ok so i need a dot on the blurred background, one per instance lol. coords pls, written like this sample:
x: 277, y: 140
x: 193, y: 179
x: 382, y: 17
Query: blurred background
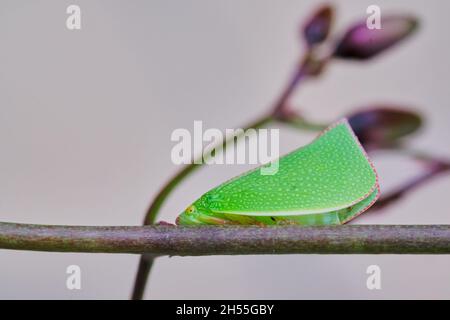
x: 86, y: 118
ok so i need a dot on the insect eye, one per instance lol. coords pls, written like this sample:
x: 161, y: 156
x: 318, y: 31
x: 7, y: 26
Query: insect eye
x: 190, y: 209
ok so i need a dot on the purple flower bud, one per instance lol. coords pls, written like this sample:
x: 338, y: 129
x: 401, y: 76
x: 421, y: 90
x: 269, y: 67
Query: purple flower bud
x: 360, y: 42
x: 381, y: 126
x: 317, y: 28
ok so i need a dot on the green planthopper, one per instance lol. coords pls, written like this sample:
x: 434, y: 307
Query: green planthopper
x: 327, y: 182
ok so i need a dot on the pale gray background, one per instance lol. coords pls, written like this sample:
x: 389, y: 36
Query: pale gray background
x: 86, y: 118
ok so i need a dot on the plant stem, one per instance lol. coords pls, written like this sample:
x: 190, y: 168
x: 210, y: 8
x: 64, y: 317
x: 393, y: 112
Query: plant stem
x: 235, y: 240
x: 298, y: 122
x: 144, y: 268
x: 279, y: 112
x: 434, y: 170
x: 297, y: 77
x: 145, y: 262
x: 154, y: 208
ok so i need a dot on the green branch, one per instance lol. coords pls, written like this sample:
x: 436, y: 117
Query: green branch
x: 238, y: 240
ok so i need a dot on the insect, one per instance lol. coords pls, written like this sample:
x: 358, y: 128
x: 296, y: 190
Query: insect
x: 327, y: 182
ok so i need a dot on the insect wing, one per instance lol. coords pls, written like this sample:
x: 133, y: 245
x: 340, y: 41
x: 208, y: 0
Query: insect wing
x: 331, y: 173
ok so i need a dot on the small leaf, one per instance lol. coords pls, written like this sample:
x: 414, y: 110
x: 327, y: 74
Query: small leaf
x: 382, y: 126
x: 361, y: 43
x: 316, y: 30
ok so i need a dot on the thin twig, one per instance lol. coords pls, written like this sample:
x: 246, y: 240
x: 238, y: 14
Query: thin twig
x: 236, y: 240
x: 144, y: 268
x: 154, y: 208
x: 435, y: 169
x: 146, y: 262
